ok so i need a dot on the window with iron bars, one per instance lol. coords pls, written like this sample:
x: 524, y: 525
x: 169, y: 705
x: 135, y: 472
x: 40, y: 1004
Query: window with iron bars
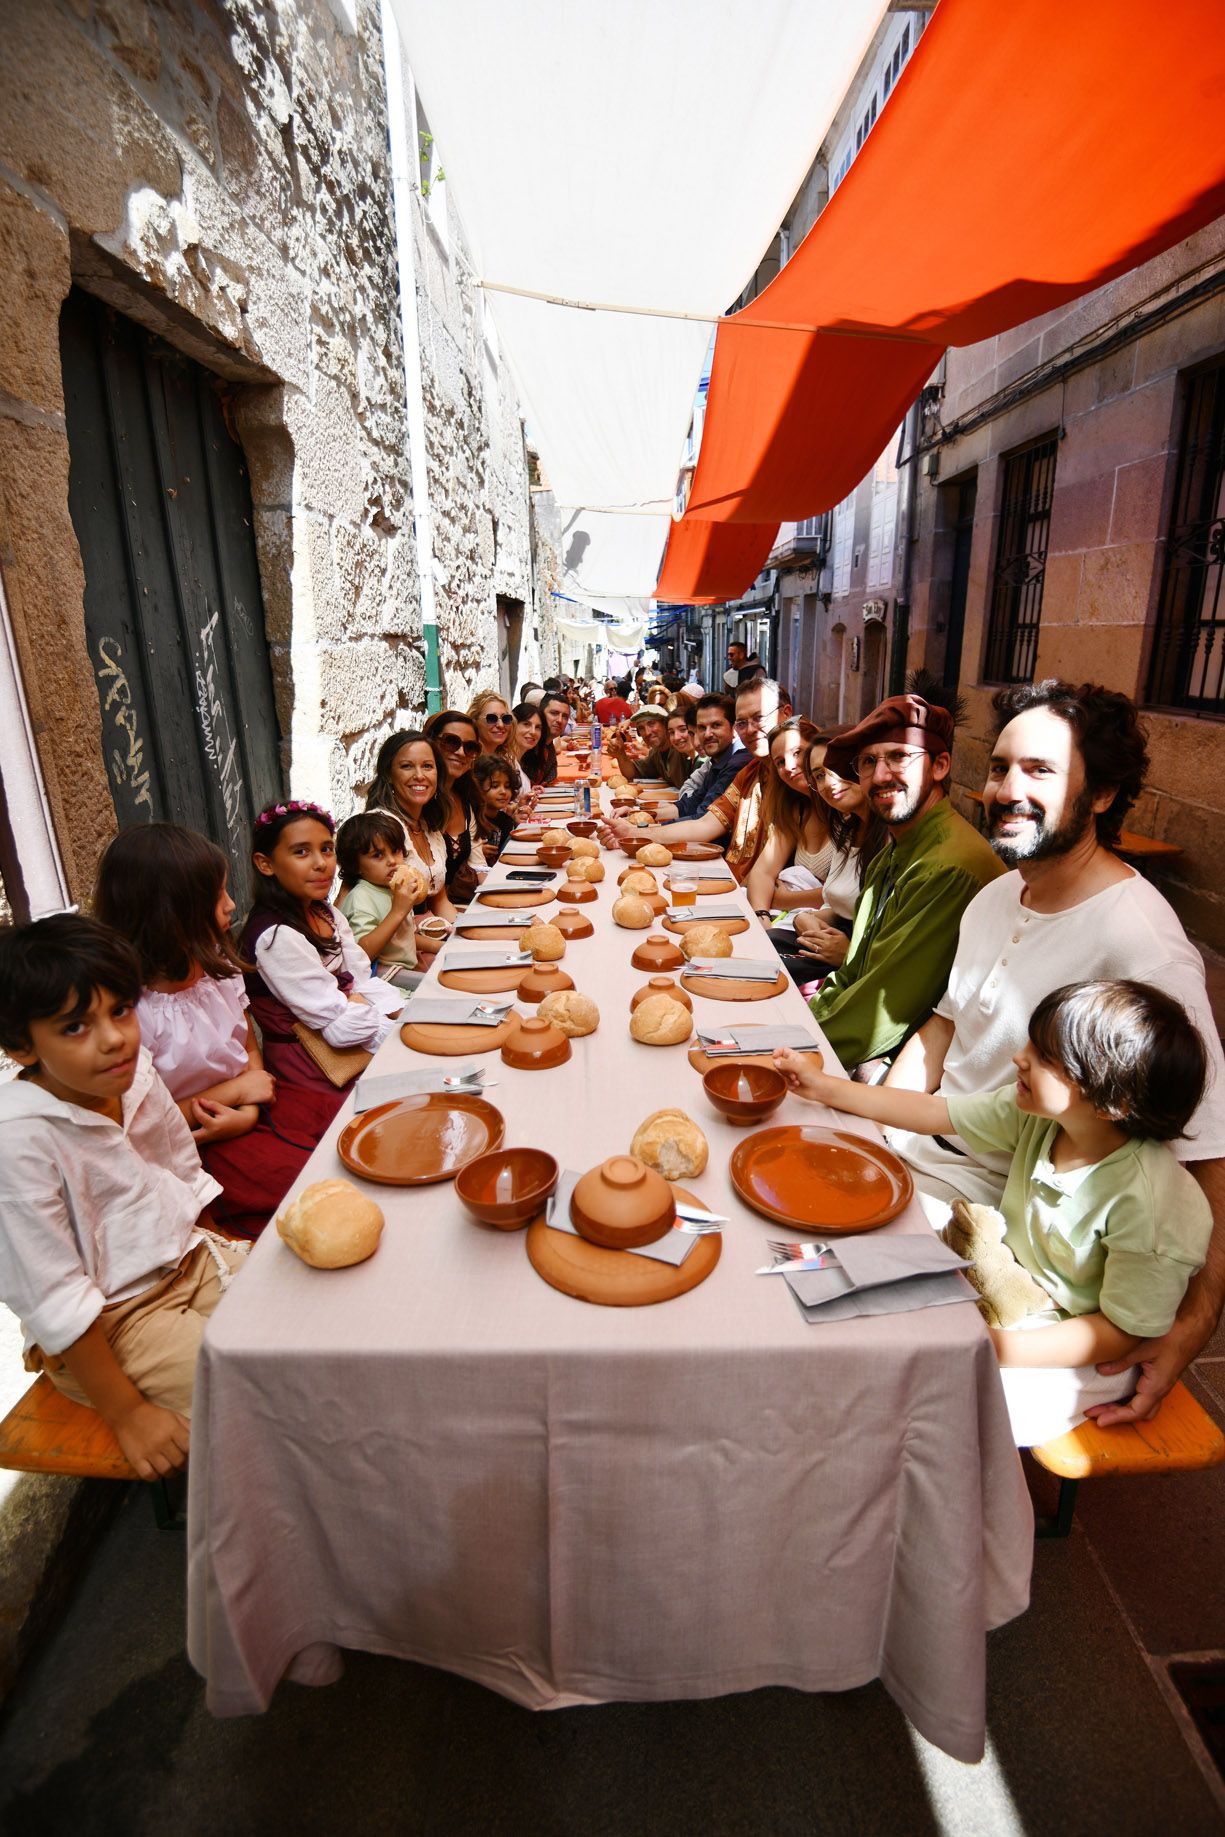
x: 1188, y: 660
x: 1020, y: 563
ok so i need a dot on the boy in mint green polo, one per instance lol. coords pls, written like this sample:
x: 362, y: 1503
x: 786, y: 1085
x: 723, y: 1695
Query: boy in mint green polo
x: 1096, y: 1209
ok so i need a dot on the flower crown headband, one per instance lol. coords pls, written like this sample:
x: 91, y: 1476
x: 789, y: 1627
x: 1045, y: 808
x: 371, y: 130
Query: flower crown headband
x: 292, y: 806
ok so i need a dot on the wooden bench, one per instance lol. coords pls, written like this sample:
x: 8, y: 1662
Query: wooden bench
x: 1181, y: 1438
x: 45, y: 1432
x: 1133, y: 846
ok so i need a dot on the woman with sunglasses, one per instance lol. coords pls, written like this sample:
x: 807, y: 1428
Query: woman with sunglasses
x: 455, y: 736
x: 495, y: 724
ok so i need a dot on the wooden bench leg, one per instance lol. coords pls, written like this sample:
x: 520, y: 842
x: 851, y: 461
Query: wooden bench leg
x: 1060, y: 1523
x: 166, y: 1513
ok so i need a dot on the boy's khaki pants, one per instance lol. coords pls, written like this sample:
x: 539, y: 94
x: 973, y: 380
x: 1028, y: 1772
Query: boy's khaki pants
x: 156, y: 1336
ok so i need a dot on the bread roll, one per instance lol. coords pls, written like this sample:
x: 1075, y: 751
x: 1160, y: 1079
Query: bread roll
x: 545, y: 942
x: 632, y: 912
x: 706, y: 941
x: 638, y: 819
x: 660, y: 1021
x: 638, y: 880
x: 571, y: 1013
x: 671, y: 1143
x: 585, y: 845
x: 654, y: 854
x: 412, y: 877
x: 618, y: 783
x: 331, y: 1224
x: 585, y: 869
x: 556, y: 838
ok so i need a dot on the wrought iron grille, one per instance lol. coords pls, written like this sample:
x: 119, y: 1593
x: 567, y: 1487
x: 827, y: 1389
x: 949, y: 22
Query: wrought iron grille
x: 1020, y: 564
x: 1188, y: 662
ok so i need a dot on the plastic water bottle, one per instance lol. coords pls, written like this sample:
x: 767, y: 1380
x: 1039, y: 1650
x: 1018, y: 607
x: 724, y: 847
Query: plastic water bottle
x: 597, y: 739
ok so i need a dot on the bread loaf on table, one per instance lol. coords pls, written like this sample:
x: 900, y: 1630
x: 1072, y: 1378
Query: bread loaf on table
x: 671, y: 1143
x: 545, y: 942
x: 654, y: 854
x: 660, y: 1021
x: 572, y: 1013
x: 705, y: 941
x: 632, y: 912
x: 331, y: 1224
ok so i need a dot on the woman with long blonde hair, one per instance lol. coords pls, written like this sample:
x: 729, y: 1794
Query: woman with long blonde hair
x: 495, y: 724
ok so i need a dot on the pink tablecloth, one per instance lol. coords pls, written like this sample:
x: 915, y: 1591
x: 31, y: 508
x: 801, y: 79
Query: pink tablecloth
x: 436, y: 1456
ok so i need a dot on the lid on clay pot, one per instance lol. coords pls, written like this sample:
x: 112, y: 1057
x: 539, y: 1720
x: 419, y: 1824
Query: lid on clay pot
x: 535, y: 1046
x: 622, y: 1204
x: 660, y: 985
x: 541, y: 980
x: 657, y: 953
x: 573, y: 924
x: 577, y: 892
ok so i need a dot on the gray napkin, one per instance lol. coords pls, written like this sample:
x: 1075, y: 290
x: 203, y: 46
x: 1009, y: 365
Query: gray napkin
x: 474, y: 920
x: 699, y: 915
x: 875, y: 1274
x: 735, y: 969
x: 470, y: 1011
x: 673, y: 1248
x: 386, y: 1089
x: 735, y: 1040
x: 510, y: 958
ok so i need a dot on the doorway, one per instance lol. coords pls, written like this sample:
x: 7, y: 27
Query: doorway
x: 174, y: 617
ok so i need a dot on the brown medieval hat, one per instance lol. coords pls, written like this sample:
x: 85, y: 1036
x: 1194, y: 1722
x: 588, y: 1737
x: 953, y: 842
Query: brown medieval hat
x: 902, y: 720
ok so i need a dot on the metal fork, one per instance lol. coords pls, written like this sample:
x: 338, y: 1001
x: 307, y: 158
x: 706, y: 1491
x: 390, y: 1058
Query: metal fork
x: 786, y: 1251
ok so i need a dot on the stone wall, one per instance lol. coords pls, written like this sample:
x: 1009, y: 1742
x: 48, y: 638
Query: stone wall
x: 1118, y: 419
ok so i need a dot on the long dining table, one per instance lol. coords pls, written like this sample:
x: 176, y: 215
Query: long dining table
x: 435, y: 1455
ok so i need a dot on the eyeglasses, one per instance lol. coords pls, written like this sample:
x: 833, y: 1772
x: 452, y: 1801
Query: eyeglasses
x: 497, y: 720
x: 893, y: 758
x: 744, y: 722
x: 451, y: 743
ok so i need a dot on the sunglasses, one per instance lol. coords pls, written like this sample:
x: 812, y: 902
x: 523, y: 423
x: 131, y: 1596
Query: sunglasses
x: 451, y: 743
x: 497, y: 720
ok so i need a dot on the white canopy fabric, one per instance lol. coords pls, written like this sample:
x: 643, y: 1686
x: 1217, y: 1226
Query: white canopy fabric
x: 611, y: 561
x: 637, y: 153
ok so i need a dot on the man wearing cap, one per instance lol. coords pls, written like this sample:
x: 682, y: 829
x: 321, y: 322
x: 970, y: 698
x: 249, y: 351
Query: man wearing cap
x: 916, y: 889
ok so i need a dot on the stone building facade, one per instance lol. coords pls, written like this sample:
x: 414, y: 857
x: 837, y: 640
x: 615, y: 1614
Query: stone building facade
x: 218, y: 172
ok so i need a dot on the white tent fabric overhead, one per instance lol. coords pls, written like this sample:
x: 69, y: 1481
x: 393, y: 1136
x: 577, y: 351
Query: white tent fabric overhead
x: 635, y: 153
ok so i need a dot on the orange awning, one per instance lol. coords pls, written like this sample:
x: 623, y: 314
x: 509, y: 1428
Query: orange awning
x: 1030, y: 152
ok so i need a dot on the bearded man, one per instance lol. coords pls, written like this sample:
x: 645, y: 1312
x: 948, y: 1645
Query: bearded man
x: 1066, y: 766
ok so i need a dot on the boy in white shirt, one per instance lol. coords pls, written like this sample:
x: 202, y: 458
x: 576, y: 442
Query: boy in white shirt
x: 105, y: 1253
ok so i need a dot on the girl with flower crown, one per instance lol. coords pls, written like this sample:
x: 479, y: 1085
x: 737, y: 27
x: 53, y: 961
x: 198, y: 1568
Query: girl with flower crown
x: 308, y: 968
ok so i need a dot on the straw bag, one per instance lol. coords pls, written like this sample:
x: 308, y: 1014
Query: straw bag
x: 340, y: 1065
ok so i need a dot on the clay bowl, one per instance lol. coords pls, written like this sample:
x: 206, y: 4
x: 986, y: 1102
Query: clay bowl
x: 582, y: 826
x: 622, y: 1204
x: 535, y: 1046
x: 745, y: 1093
x: 661, y: 985
x: 657, y: 953
x: 541, y: 980
x: 553, y: 857
x: 573, y: 924
x: 508, y: 1187
x: 577, y: 892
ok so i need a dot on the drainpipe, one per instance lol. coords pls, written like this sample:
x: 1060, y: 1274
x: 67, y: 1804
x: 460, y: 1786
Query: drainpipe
x: 911, y: 439
x: 401, y: 109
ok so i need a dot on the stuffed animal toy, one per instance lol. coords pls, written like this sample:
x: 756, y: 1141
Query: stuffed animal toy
x: 1008, y: 1291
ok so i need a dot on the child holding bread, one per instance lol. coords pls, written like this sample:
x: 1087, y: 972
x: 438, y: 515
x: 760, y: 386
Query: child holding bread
x: 107, y: 1256
x: 382, y: 888
x: 1098, y: 1214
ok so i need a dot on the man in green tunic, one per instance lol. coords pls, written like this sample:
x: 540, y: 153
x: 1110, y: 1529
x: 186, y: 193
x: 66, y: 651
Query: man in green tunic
x: 916, y: 889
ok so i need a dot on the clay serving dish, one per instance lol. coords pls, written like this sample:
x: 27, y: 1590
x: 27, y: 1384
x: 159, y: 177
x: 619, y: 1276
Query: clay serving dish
x: 694, y: 916
x: 696, y: 851
x: 420, y: 1139
x: 535, y: 1046
x: 554, y: 856
x: 541, y: 980
x: 527, y: 832
x: 514, y: 899
x: 661, y: 985
x: 582, y: 826
x: 657, y: 953
x: 799, y: 1175
x: 745, y: 1093
x: 573, y: 924
x: 508, y: 1188
x: 577, y: 892
x: 622, y: 1204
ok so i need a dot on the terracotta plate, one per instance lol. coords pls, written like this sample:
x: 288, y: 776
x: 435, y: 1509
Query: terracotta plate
x: 722, y: 988
x: 513, y: 898
x: 707, y: 887
x: 484, y: 982
x: 420, y: 1139
x: 513, y: 928
x: 702, y: 1061
x: 530, y: 832
x: 696, y: 851
x: 731, y: 926
x: 616, y: 1278
x: 823, y: 1178
x: 448, y: 1041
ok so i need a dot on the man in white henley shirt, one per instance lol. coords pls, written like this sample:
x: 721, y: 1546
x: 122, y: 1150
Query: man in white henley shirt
x: 1065, y: 769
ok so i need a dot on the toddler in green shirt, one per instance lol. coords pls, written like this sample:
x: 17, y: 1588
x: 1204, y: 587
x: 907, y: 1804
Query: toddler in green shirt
x: 381, y: 888
x: 1096, y: 1209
